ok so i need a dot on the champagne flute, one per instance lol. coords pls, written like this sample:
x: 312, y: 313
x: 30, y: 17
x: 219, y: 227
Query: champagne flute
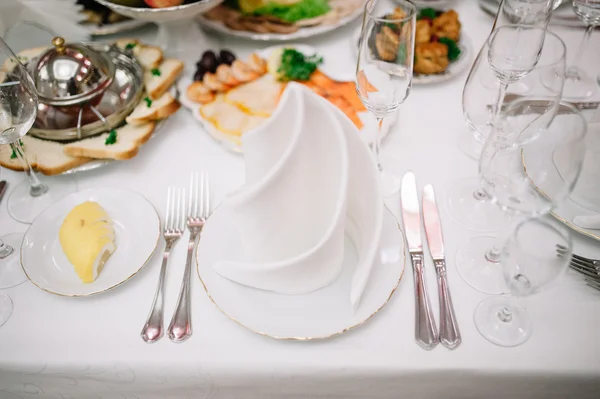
x: 384, y: 70
x: 579, y: 84
x: 18, y: 108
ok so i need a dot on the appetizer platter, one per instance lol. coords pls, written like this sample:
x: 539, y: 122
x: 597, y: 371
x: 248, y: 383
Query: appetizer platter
x: 441, y: 50
x: 102, y: 21
x: 230, y: 97
x: 77, y: 131
x: 281, y: 20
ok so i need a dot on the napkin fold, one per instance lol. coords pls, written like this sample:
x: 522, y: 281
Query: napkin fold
x: 299, y: 201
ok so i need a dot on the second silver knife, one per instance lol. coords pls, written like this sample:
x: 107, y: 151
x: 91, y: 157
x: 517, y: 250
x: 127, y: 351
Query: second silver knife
x: 425, y: 332
x: 449, y: 332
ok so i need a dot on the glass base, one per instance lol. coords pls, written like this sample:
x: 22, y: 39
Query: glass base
x: 6, y: 308
x: 11, y: 272
x: 578, y: 85
x: 492, y: 322
x: 24, y: 208
x: 472, y: 212
x: 477, y: 270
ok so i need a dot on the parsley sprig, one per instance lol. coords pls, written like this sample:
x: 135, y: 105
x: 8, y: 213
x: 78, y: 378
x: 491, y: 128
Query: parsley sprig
x: 148, y: 102
x: 155, y: 72
x: 297, y: 66
x: 112, y: 138
x: 14, y: 154
x: 453, y: 49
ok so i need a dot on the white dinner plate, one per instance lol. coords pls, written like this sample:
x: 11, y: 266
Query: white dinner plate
x: 301, y: 33
x: 455, y: 68
x: 137, y: 231
x: 321, y: 314
x: 233, y: 143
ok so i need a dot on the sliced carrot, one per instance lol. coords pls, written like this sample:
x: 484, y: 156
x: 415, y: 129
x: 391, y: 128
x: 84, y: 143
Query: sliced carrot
x: 322, y: 80
x: 348, y: 91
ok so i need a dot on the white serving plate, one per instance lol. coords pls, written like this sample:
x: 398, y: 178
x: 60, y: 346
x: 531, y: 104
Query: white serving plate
x: 321, y: 314
x: 137, y: 231
x: 233, y: 143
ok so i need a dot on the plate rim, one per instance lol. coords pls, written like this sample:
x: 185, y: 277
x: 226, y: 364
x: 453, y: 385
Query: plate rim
x: 316, y: 337
x: 112, y: 286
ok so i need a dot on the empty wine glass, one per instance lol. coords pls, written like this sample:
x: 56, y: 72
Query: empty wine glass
x: 18, y: 108
x: 384, y: 70
x: 466, y: 202
x: 530, y: 170
x: 530, y: 261
x: 579, y: 84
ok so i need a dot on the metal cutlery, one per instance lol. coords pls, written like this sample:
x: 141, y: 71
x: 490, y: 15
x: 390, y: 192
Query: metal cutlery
x: 590, y: 268
x: 173, y: 229
x: 3, y: 185
x: 180, y: 327
x: 581, y: 105
x: 425, y: 330
x: 449, y: 333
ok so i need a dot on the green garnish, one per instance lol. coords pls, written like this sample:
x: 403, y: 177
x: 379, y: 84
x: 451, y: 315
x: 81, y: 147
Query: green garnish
x: 453, y: 49
x: 148, y: 102
x: 304, y: 9
x: 429, y: 13
x: 112, y: 138
x: 14, y: 154
x: 155, y: 72
x: 297, y: 66
x: 130, y: 46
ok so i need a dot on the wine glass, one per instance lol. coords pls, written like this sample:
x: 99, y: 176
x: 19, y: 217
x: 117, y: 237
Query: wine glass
x: 529, y: 170
x: 466, y: 202
x: 18, y: 108
x: 384, y: 70
x: 579, y: 84
x: 530, y: 261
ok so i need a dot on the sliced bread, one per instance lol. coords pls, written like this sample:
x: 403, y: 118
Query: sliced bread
x: 149, y: 56
x: 158, y: 83
x: 162, y: 108
x: 129, y: 139
x: 45, y: 156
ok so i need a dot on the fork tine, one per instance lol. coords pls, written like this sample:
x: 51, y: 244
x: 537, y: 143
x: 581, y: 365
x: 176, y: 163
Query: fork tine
x: 197, y: 196
x: 584, y: 265
x: 585, y: 272
x: 206, y: 210
x: 167, y: 225
x: 181, y: 220
x: 583, y: 259
x: 191, y: 196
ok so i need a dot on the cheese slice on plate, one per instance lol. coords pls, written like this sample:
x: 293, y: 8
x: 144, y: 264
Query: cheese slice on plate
x: 259, y: 97
x: 87, y: 238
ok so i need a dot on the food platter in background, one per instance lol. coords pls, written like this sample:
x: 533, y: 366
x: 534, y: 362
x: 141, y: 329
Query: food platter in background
x: 219, y: 112
x: 230, y: 22
x: 101, y: 21
x: 458, y: 58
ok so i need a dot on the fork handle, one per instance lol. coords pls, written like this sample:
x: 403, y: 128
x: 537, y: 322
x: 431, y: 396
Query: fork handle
x: 180, y: 327
x: 153, y: 329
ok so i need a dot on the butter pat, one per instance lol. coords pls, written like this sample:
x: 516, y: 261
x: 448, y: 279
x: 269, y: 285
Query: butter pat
x: 87, y: 238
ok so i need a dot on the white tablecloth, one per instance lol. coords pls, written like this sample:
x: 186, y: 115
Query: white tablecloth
x: 55, y: 347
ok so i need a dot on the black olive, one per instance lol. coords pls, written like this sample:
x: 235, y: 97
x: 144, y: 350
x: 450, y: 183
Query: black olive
x: 209, y: 61
x: 226, y: 57
x: 199, y: 75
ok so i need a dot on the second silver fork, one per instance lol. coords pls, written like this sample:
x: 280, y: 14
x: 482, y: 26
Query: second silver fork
x: 173, y: 230
x: 180, y: 327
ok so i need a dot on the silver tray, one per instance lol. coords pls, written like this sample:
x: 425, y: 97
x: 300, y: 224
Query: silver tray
x: 118, y: 102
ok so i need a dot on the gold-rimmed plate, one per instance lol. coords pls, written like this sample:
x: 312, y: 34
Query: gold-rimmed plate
x: 321, y: 314
x: 137, y: 231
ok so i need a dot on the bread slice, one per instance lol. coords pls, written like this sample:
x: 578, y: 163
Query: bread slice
x: 169, y: 71
x: 129, y: 139
x: 162, y: 108
x: 45, y: 156
x: 149, y: 56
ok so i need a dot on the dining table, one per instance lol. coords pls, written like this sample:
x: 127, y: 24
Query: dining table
x: 60, y: 347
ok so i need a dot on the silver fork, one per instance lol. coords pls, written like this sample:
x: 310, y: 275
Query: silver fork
x: 173, y: 229
x: 180, y: 328
x: 590, y: 268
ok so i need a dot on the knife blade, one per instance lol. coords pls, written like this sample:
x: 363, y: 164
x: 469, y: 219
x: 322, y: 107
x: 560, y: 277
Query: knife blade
x: 425, y: 330
x: 3, y: 185
x: 543, y: 104
x: 449, y: 333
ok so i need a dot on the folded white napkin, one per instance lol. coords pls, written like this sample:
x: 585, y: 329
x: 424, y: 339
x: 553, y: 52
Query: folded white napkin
x: 588, y: 221
x: 299, y: 200
x: 60, y: 16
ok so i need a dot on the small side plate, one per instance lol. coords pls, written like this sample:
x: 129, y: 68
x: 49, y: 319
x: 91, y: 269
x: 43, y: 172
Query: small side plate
x: 137, y: 230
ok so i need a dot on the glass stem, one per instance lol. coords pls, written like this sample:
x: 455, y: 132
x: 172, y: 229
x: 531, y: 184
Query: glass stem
x: 5, y: 250
x: 505, y: 315
x: 573, y: 71
x: 36, y: 188
x: 498, y: 108
x: 479, y: 194
x: 494, y: 254
x: 377, y: 143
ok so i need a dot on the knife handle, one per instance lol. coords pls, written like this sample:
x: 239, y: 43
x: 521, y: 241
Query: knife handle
x: 425, y: 330
x: 449, y: 332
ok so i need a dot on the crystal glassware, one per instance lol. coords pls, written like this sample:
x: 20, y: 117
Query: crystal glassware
x: 466, y: 202
x: 530, y: 261
x: 579, y: 84
x: 18, y: 108
x: 384, y: 70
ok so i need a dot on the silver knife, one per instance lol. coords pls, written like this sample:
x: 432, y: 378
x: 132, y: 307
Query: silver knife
x: 3, y: 185
x: 425, y: 331
x: 449, y: 332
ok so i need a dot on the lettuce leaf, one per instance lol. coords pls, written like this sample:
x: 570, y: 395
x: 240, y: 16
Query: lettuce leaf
x: 304, y: 9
